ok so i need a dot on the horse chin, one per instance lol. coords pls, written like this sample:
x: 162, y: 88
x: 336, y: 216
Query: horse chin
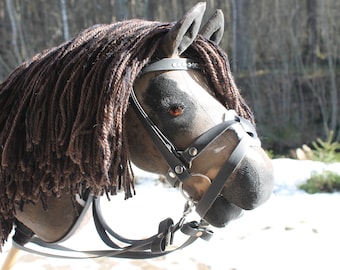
x: 221, y: 212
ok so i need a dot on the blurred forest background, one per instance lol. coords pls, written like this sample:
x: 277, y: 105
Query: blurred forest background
x: 285, y: 55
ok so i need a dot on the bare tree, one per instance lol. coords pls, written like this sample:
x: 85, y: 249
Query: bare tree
x: 14, y: 40
x: 331, y: 50
x: 234, y: 31
x: 285, y: 55
x: 64, y: 19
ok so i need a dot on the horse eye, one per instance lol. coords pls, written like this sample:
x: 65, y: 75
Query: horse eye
x: 176, y: 110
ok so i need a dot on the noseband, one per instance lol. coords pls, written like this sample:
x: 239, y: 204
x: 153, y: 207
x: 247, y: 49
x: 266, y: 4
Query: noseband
x: 180, y: 161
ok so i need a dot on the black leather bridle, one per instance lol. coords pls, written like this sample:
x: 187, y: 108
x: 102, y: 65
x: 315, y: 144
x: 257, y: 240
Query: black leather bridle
x: 179, y: 162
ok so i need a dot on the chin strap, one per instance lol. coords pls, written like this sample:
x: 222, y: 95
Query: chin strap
x: 157, y: 245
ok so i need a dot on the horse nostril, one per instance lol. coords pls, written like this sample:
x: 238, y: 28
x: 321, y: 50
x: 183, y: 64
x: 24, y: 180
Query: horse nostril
x: 237, y: 119
x: 251, y: 134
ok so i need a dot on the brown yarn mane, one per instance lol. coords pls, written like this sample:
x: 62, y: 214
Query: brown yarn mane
x: 62, y: 113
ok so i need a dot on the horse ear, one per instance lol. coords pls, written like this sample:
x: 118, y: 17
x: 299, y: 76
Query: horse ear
x: 180, y: 37
x: 214, y: 27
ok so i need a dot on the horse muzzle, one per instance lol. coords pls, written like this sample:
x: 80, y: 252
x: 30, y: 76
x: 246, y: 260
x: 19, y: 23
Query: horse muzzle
x: 252, y: 183
x: 245, y: 179
x: 248, y: 187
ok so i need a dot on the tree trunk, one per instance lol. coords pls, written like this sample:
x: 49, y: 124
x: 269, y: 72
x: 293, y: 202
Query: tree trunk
x: 14, y: 40
x: 234, y: 35
x: 66, y: 30
x: 312, y: 32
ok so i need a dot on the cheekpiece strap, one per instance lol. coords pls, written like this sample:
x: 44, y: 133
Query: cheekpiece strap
x: 166, y: 64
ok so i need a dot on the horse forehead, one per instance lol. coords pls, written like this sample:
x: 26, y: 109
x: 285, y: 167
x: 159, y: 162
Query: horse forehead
x: 190, y: 82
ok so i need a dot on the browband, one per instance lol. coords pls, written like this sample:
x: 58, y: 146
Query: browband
x: 167, y: 64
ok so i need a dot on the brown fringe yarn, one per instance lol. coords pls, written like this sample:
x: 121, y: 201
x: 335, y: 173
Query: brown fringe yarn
x: 62, y: 112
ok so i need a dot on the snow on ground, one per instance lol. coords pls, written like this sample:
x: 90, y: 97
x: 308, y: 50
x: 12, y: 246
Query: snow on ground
x: 292, y: 231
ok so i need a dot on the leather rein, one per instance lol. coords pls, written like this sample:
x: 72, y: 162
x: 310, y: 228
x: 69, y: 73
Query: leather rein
x: 179, y: 162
